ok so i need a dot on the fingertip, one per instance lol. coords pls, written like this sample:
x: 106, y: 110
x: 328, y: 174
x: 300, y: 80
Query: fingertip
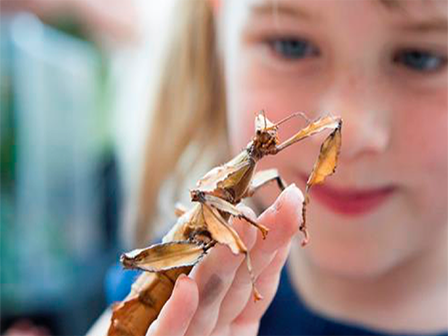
x: 283, y: 218
x: 289, y: 201
x: 179, y: 310
x: 189, y: 290
x: 292, y: 195
x: 247, y: 211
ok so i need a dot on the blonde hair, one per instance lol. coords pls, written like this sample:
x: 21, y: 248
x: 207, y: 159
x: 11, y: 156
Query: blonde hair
x: 189, y: 109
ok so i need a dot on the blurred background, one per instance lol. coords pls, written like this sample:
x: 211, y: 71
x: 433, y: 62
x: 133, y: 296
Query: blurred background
x: 75, y: 89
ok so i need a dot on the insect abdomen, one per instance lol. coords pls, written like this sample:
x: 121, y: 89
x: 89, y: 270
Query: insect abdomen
x: 134, y: 315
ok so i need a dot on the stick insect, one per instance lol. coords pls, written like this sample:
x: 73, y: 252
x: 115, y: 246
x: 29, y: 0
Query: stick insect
x: 207, y: 223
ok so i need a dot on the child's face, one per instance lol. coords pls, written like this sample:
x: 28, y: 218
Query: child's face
x: 381, y: 66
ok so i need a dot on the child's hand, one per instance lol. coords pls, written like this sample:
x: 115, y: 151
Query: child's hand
x: 217, y: 297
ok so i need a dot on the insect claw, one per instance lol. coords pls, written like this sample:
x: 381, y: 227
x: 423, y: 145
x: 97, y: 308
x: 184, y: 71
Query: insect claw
x: 264, y: 230
x: 256, y: 294
x: 306, y: 237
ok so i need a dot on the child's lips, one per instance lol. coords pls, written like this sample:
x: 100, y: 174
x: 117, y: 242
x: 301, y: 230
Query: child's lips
x: 351, y: 201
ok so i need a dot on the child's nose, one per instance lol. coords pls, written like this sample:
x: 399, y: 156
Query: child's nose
x: 363, y: 136
x: 366, y: 129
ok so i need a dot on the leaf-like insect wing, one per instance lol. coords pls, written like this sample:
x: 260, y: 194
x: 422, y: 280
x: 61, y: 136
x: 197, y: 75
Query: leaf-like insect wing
x: 218, y: 175
x: 229, y: 208
x: 328, y: 158
x: 165, y: 256
x: 222, y: 232
x: 222, y: 205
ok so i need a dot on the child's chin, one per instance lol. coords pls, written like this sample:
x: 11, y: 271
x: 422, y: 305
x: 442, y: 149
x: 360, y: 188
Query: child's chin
x: 357, y: 263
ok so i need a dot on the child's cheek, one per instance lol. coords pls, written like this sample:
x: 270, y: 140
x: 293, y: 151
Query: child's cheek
x: 423, y: 140
x: 421, y: 153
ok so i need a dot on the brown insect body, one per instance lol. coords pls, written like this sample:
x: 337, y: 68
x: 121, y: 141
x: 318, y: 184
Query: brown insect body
x: 206, y: 223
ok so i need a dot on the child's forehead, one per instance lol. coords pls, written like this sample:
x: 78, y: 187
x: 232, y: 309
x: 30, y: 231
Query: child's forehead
x: 393, y: 6
x: 309, y: 9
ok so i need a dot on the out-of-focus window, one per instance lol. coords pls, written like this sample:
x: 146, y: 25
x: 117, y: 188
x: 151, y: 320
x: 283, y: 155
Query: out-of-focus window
x: 60, y: 178
x: 135, y: 72
x: 75, y: 91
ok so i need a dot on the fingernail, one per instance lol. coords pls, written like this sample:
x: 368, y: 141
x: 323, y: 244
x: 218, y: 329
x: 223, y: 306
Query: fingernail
x: 291, y: 194
x: 179, y: 279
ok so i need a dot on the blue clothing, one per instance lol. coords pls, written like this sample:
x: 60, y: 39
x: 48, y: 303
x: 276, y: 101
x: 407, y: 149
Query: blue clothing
x: 287, y: 314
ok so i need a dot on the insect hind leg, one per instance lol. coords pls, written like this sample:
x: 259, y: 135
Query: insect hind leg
x: 262, y: 178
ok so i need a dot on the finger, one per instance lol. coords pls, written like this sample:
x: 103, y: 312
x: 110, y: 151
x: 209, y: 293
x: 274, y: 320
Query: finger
x: 267, y: 283
x: 239, y: 296
x: 283, y: 219
x: 238, y: 329
x: 214, y: 275
x: 178, y: 311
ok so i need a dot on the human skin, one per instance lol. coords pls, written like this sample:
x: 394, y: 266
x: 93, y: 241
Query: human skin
x: 383, y: 70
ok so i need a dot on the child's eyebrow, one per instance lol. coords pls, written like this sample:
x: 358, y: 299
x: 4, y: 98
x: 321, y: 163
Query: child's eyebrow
x: 280, y: 8
x: 432, y: 25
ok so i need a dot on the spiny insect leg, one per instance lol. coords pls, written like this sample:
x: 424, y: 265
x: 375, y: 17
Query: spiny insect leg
x: 328, y: 122
x: 262, y: 178
x: 325, y: 166
x: 293, y: 115
x: 256, y: 293
x: 302, y: 227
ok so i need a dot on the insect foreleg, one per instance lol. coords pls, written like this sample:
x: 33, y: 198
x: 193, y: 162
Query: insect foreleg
x: 317, y: 126
x: 302, y: 227
x: 262, y: 178
x: 324, y: 166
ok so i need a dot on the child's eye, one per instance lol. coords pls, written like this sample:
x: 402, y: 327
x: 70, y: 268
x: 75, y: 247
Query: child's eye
x: 292, y: 48
x: 420, y: 60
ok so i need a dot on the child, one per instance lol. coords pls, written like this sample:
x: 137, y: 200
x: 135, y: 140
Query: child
x: 377, y: 259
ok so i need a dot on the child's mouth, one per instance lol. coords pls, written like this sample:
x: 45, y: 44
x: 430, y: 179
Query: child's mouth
x: 351, y: 201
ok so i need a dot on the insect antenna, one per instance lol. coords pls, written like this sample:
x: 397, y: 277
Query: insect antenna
x: 295, y: 114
